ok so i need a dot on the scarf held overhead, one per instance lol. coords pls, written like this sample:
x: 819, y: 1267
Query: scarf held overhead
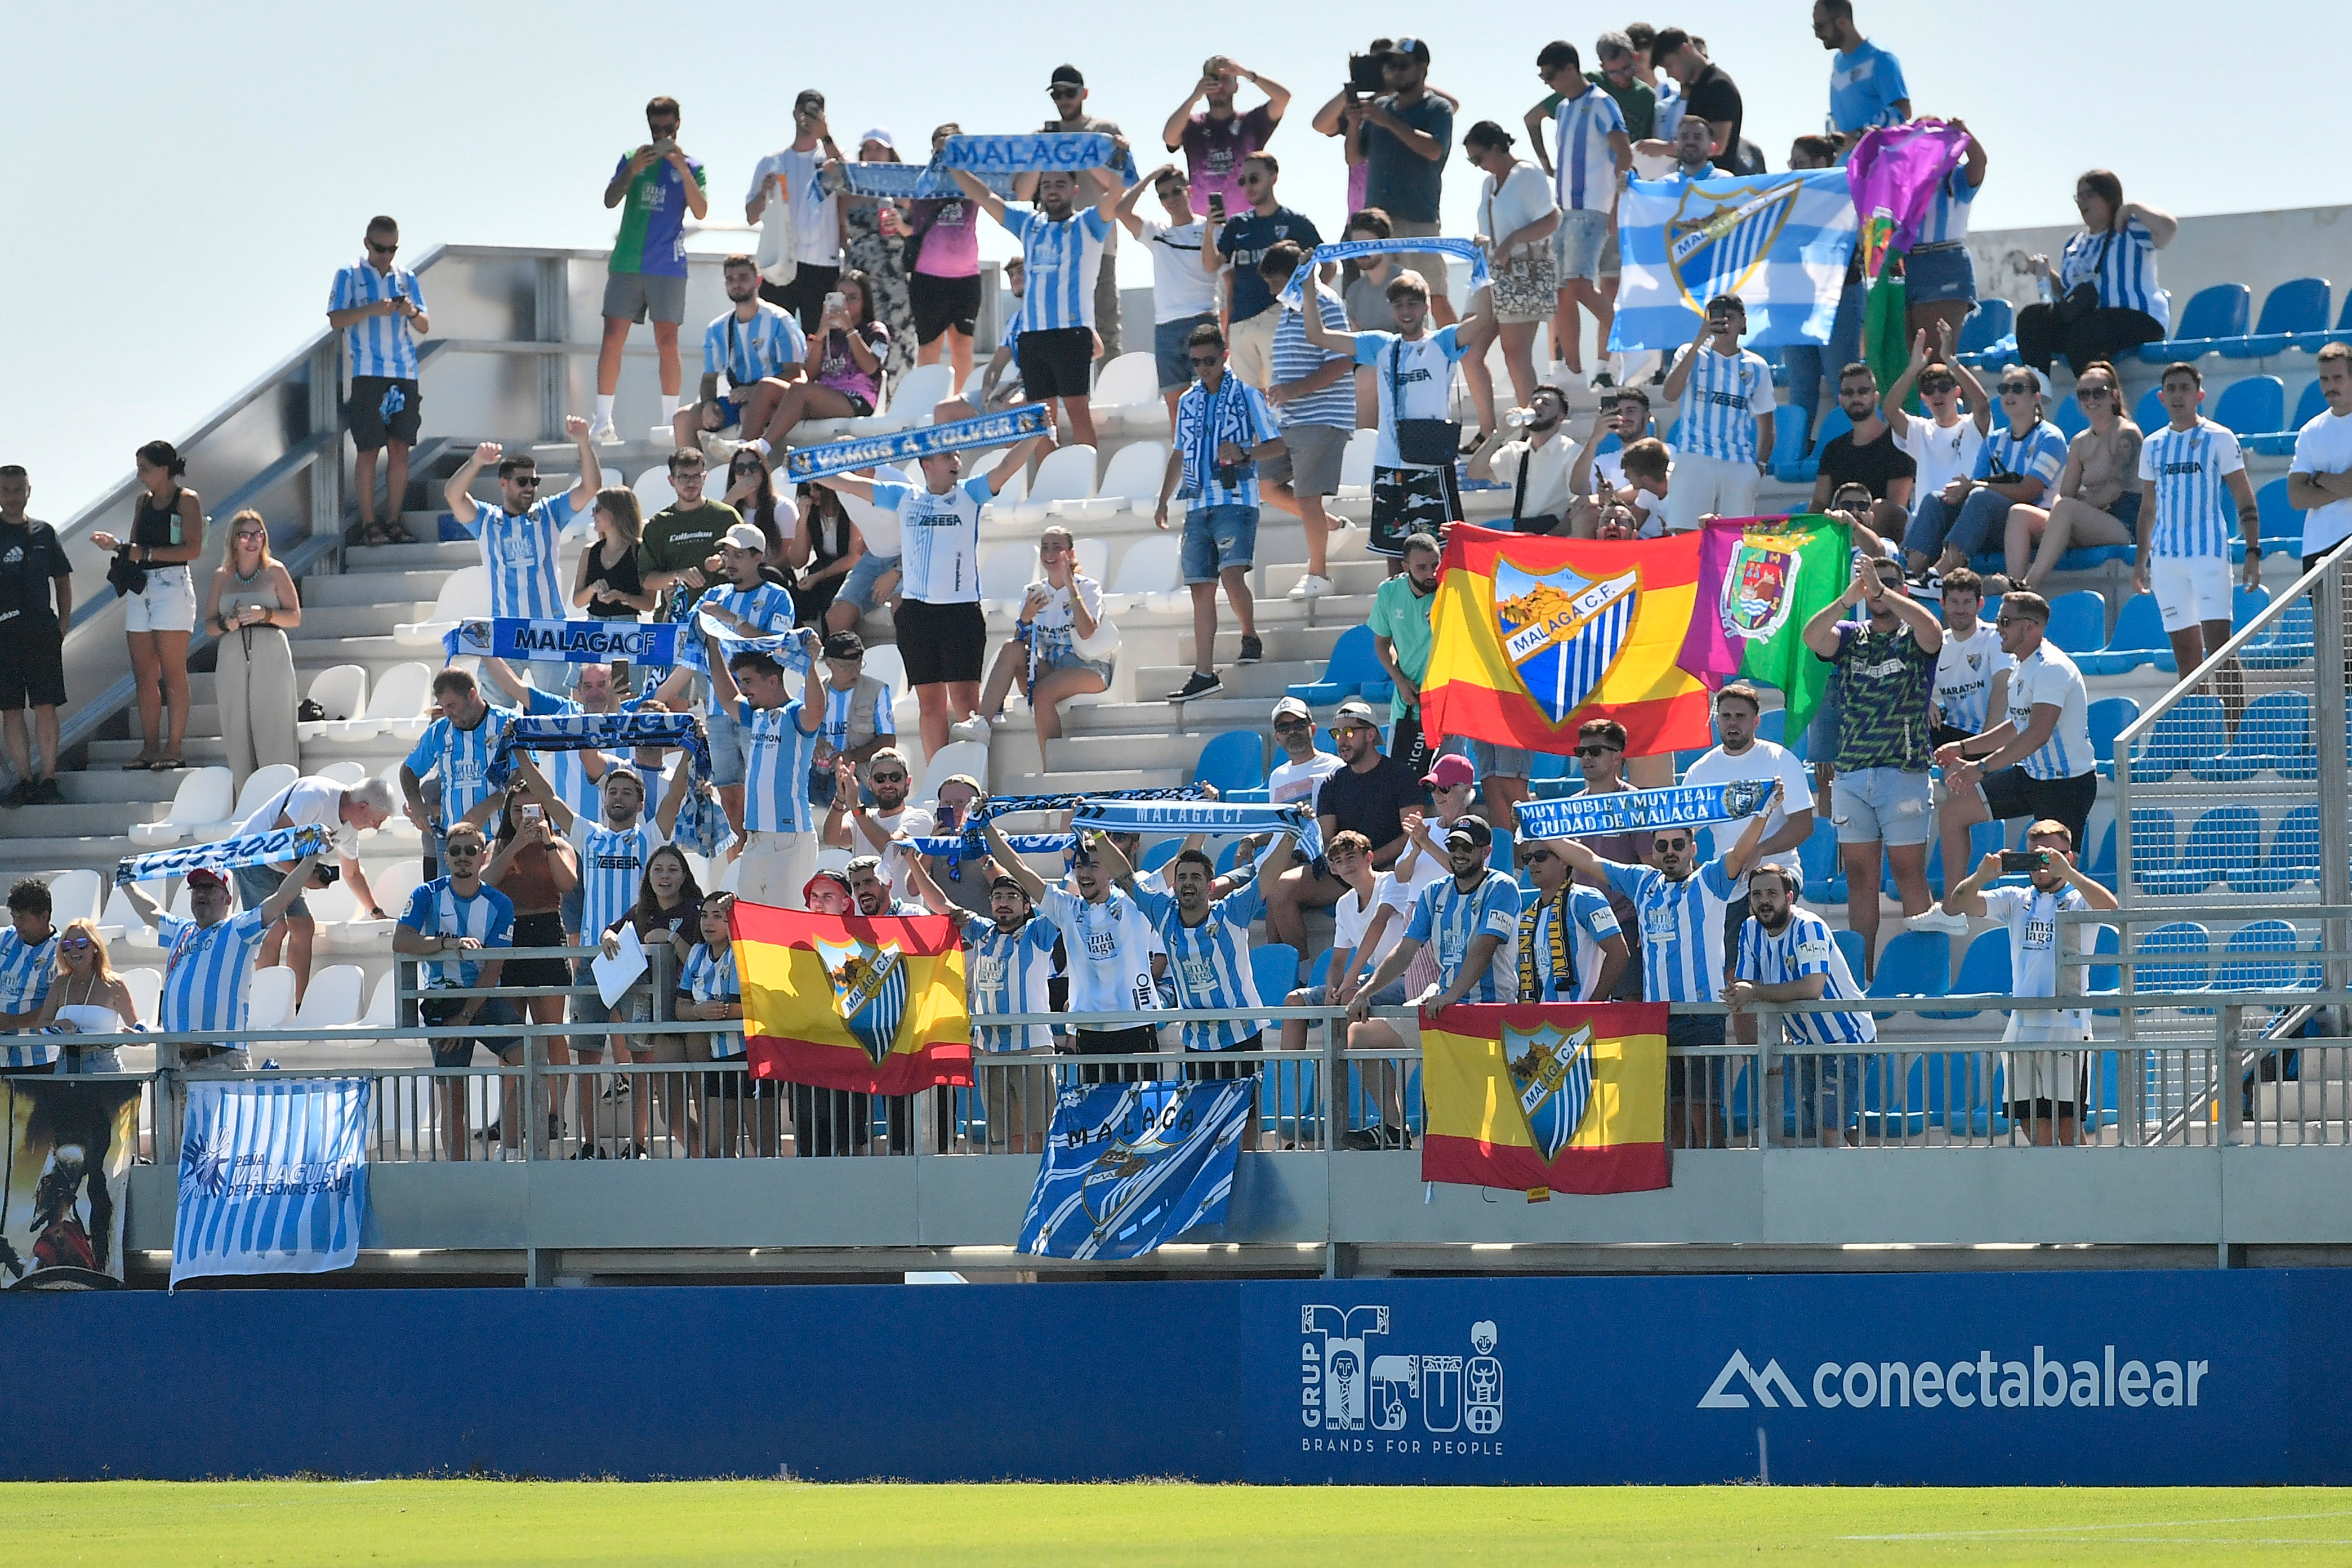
x: 1114, y: 815
x: 1295, y: 292
x: 599, y: 731
x: 1067, y: 153
x: 586, y: 641
x: 226, y: 854
x: 807, y: 463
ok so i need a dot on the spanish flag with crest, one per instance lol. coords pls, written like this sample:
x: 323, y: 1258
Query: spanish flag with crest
x: 1547, y: 1097
x: 1534, y: 635
x: 871, y: 1004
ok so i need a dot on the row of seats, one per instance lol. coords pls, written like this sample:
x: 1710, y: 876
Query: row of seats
x: 207, y: 804
x: 2293, y: 319
x: 2224, y: 847
x: 2274, y: 735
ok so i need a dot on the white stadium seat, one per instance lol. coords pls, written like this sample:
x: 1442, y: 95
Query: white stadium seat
x: 121, y: 922
x: 203, y: 800
x: 146, y: 988
x: 1006, y: 569
x: 1127, y: 394
x: 654, y: 492
x: 342, y: 691
x: 1150, y: 574
x: 1131, y: 478
x: 1067, y: 474
x: 345, y: 773
x: 331, y: 1000
x: 1094, y: 558
x: 270, y: 998
x: 886, y: 664
x: 465, y: 596
x: 396, y: 707
x: 955, y: 757
x: 383, y: 1004
x: 259, y: 785
x: 74, y: 896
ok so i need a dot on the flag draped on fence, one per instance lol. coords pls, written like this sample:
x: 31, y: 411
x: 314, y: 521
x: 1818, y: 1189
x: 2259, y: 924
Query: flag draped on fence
x: 1893, y: 172
x: 1533, y: 635
x: 273, y: 1177
x: 1780, y: 242
x: 875, y: 1005
x: 805, y: 463
x: 1758, y: 582
x: 225, y: 854
x: 1129, y: 1167
x: 1639, y: 810
x: 584, y: 641
x: 1556, y: 1097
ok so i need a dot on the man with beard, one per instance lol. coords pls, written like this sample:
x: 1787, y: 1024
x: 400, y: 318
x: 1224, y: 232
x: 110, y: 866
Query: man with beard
x: 1535, y: 461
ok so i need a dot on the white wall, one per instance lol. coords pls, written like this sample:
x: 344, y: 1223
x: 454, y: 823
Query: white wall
x: 2258, y: 249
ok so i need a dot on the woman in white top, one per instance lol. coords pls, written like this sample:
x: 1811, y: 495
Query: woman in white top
x: 1056, y: 612
x: 1517, y: 213
x: 87, y: 998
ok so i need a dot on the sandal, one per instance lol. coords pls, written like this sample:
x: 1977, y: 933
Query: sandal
x: 166, y: 764
x: 372, y: 535
x: 139, y: 765
x: 396, y: 532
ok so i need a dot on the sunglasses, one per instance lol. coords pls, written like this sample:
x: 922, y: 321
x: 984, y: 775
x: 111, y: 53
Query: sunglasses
x: 885, y: 778
x: 1538, y: 857
x: 2019, y: 387
x: 78, y: 943
x: 1597, y: 750
x: 1286, y: 726
x: 383, y: 250
x: 2082, y: 393
x: 1931, y: 388
x: 1205, y: 359
x: 525, y: 482
x: 1676, y: 844
x: 1062, y: 92
x: 1338, y: 730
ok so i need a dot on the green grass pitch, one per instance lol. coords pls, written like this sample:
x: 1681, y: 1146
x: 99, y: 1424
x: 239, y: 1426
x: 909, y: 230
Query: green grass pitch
x: 130, y: 1523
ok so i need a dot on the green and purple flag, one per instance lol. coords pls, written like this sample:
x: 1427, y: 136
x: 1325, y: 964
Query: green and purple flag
x: 1759, y: 580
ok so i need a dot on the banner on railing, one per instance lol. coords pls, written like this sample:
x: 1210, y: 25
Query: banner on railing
x: 273, y: 1177
x: 584, y: 641
x: 1131, y: 1166
x: 1639, y: 810
x: 805, y: 463
x: 870, y: 1004
x: 1556, y: 1097
x: 70, y: 1145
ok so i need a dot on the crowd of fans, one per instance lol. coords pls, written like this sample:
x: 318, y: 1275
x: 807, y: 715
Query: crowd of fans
x: 1262, y: 394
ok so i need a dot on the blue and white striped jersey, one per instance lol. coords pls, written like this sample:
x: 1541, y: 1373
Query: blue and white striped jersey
x: 1947, y: 212
x: 1296, y: 359
x: 377, y: 345
x: 435, y: 908
x: 2047, y: 676
x: 567, y: 772
x: 1584, y: 171
x: 1964, y: 672
x: 1205, y: 420
x: 1594, y: 922
x: 26, y: 969
x: 1453, y: 918
x: 1062, y: 260
x: 1721, y: 403
x: 938, y: 539
x: 838, y: 707
x: 206, y: 969
x: 1008, y: 975
x: 2121, y: 266
x: 611, y: 868
x: 1681, y: 928
x: 2038, y: 452
x: 778, y: 753
x: 1803, y: 946
x: 520, y: 554
x: 768, y: 344
x: 2195, y: 515
x: 767, y: 607
x: 462, y: 758
x: 711, y: 978
x: 1209, y: 963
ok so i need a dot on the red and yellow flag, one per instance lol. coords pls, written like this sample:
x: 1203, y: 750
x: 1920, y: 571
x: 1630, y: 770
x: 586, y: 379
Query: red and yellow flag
x: 876, y: 1006
x: 1550, y: 1097
x: 1534, y: 636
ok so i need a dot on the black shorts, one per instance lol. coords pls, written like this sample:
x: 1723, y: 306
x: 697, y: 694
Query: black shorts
x: 2009, y: 795
x: 538, y: 931
x: 942, y: 644
x: 804, y: 295
x: 741, y: 1084
x: 32, y: 669
x: 1406, y: 502
x: 1134, y: 1040
x: 1207, y: 1067
x: 1057, y: 364
x: 372, y: 424
x: 939, y: 303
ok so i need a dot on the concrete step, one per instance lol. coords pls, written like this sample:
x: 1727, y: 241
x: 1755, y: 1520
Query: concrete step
x: 203, y: 716
x: 328, y: 590
x: 427, y: 556
x: 1004, y: 779
x: 202, y: 752
x: 1261, y: 683
x: 378, y: 652
x: 103, y: 820
x: 23, y: 855
x: 110, y: 786
x: 1284, y: 642
x: 1110, y: 754
x: 338, y: 622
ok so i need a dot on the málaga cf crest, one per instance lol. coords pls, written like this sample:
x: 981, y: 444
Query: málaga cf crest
x: 869, y: 991
x: 1553, y: 1074
x: 1562, y: 632
x: 1716, y: 241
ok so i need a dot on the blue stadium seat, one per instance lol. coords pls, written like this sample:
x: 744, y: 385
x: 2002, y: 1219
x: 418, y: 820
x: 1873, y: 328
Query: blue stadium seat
x: 2192, y: 944
x: 2307, y: 407
x: 2274, y: 736
x: 1159, y: 854
x: 1353, y: 663
x: 1791, y: 430
x: 1984, y: 970
x: 1833, y: 424
x: 2188, y: 730
x: 2260, y: 937
x: 1817, y: 857
x: 1849, y: 943
x: 1993, y: 322
x: 2253, y: 406
x: 2216, y: 313
x: 2285, y: 643
x: 1915, y: 964
x: 1773, y: 726
x: 2154, y: 842
x: 1275, y: 966
x: 1318, y: 971
x: 2109, y: 717
x: 2245, y: 604
x: 2138, y: 638
x: 2311, y: 343
x: 2281, y: 526
x: 2149, y: 413
x: 2294, y: 310
x: 2078, y: 620
x: 1984, y: 838
x: 1232, y: 761
x: 2102, y: 868
x: 2226, y: 840
x: 2069, y: 417
x: 2293, y: 857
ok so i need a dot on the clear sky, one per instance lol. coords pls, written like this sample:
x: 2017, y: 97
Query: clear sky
x: 187, y: 179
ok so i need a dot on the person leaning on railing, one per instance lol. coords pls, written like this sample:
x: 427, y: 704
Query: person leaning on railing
x: 458, y: 914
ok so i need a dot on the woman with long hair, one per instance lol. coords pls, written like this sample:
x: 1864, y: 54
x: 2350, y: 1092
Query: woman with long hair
x: 665, y: 919
x: 1061, y: 606
x: 2100, y: 300
x: 844, y: 363
x: 252, y: 606
x: 752, y: 491
x: 823, y: 548
x: 87, y: 997
x: 151, y: 572
x: 874, y: 231
x: 2097, y: 501
x: 535, y: 867
x: 609, y: 585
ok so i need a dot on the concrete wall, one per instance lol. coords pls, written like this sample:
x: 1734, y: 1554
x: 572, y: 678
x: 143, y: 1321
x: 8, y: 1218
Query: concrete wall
x: 2258, y: 249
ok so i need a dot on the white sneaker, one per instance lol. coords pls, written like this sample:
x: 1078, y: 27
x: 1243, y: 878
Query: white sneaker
x: 1935, y: 917
x: 720, y: 448
x: 973, y: 729
x: 603, y: 435
x: 1311, y: 587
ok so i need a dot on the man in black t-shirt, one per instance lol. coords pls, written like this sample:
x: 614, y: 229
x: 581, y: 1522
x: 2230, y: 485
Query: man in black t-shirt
x: 1868, y: 455
x: 1370, y: 794
x: 32, y: 639
x: 1708, y: 91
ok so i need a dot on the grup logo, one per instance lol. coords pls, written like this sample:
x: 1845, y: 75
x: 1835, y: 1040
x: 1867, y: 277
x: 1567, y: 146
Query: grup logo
x: 1349, y: 1385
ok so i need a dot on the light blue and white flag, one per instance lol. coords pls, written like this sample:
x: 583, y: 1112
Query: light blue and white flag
x: 1190, y: 816
x: 1294, y: 292
x: 1781, y: 242
x: 805, y: 463
x: 1067, y: 151
x: 903, y: 181
x: 1639, y: 810
x: 278, y: 844
x: 273, y: 1177
x: 1023, y: 844
x: 588, y: 640
x: 598, y: 732
x: 1129, y: 1167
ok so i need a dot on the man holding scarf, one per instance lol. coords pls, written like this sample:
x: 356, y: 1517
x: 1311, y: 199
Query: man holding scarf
x: 1571, y: 946
x: 210, y: 959
x: 1225, y: 428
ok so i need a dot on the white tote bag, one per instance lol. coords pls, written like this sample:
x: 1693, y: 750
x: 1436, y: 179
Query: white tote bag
x: 775, y: 256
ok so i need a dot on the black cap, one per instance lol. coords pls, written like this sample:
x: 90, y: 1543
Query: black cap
x: 1412, y: 48
x: 1010, y: 884
x: 809, y: 95
x: 844, y: 645
x: 1070, y: 74
x: 1474, y: 829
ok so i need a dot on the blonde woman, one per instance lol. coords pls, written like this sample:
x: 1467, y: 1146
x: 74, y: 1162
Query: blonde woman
x: 252, y: 606
x: 609, y: 585
x: 87, y: 998
x: 1061, y: 606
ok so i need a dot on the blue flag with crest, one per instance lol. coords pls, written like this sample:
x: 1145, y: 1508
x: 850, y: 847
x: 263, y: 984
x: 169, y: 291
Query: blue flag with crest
x: 1780, y: 242
x: 273, y: 1177
x: 1130, y: 1166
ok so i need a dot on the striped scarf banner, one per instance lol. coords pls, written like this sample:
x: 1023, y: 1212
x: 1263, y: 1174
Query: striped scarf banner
x: 1127, y: 815
x: 796, y: 647
x: 599, y: 731
x: 1066, y: 152
x: 904, y: 182
x: 1295, y: 292
x: 273, y: 1177
x: 1638, y: 810
x: 804, y: 463
x: 588, y: 640
x: 226, y: 854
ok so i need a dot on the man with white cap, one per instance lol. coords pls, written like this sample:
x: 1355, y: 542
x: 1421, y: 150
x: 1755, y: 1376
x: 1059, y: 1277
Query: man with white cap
x: 1303, y: 769
x: 750, y: 605
x: 1369, y: 791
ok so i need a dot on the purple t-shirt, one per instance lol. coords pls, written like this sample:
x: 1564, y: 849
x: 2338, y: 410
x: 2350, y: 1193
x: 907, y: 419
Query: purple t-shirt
x: 839, y: 368
x: 1213, y: 151
x: 950, y: 230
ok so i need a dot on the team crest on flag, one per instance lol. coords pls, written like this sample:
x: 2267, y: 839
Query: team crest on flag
x: 1551, y: 1067
x: 1757, y: 590
x: 1715, y: 242
x: 869, y: 991
x: 1562, y: 631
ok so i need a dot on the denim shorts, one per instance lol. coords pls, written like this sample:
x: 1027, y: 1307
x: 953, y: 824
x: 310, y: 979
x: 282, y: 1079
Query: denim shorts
x: 1577, y: 243
x: 1069, y: 659
x: 256, y: 883
x: 1170, y: 353
x: 1939, y: 273
x: 857, y: 588
x: 1882, y: 805
x: 726, y: 745
x: 1492, y: 761
x: 1219, y: 539
x: 457, y: 1052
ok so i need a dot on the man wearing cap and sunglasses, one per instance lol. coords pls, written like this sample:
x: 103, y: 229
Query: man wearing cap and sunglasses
x: 1303, y: 768
x: 209, y: 958
x: 1370, y: 792
x: 1067, y: 90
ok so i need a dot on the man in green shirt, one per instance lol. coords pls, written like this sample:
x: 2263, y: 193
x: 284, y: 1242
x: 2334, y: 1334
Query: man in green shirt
x: 1401, y: 638
x: 675, y: 556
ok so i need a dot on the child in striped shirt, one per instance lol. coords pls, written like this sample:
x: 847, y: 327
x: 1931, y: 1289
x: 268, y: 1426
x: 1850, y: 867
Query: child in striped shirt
x: 709, y: 991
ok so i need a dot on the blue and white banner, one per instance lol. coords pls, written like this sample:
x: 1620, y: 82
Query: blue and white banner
x: 273, y: 1177
x: 1294, y: 292
x: 599, y: 732
x: 805, y: 463
x: 278, y: 844
x: 797, y: 646
x: 1211, y: 816
x: 1638, y: 810
x: 1130, y: 1166
x: 902, y: 182
x: 1066, y: 152
x: 1023, y: 844
x: 584, y: 641
x: 1780, y: 242
x: 997, y: 805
